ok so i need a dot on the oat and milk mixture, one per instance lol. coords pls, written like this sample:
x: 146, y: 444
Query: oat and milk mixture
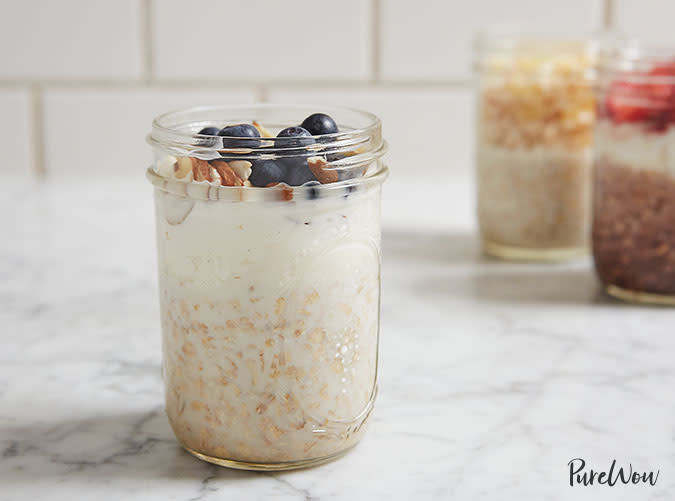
x: 535, y: 119
x: 270, y: 308
x: 634, y: 197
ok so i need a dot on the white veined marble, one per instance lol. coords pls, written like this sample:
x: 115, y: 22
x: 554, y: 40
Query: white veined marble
x: 493, y: 375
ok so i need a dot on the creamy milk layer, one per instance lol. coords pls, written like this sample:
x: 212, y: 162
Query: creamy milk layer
x: 633, y: 145
x: 534, y: 197
x: 270, y: 323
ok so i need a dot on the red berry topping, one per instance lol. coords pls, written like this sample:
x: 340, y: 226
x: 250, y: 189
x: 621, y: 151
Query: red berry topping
x: 644, y: 97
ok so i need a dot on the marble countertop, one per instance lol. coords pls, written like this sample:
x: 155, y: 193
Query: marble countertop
x: 493, y: 375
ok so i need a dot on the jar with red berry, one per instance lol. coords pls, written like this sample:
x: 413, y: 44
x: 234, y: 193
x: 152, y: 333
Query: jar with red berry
x: 634, y: 175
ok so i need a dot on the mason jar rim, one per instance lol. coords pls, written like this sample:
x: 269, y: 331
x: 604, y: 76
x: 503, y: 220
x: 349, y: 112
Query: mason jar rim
x: 507, y: 40
x: 504, y: 44
x: 631, y: 61
x: 356, y: 148
x: 174, y: 129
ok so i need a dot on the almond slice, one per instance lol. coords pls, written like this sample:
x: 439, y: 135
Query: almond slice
x: 182, y: 167
x: 263, y: 131
x: 215, y: 177
x: 241, y: 167
x: 201, y: 170
x: 228, y: 177
x: 318, y: 166
x: 166, y: 167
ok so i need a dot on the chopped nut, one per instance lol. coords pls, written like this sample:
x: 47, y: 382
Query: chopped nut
x: 201, y: 170
x: 280, y: 306
x: 285, y: 192
x: 228, y: 177
x: 318, y: 167
x: 166, y: 167
x: 263, y: 131
x: 241, y: 167
x: 215, y: 177
x: 182, y: 167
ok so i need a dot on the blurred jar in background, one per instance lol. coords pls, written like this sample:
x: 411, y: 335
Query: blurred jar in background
x: 634, y: 174
x: 535, y: 114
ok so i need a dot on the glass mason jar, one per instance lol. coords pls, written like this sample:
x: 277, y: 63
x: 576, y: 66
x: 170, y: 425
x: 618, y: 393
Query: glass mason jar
x: 634, y: 174
x: 269, y: 296
x: 535, y: 113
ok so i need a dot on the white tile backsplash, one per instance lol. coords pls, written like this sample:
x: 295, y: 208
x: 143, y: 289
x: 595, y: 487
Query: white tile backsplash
x: 70, y: 39
x: 428, y: 131
x: 261, y: 39
x: 103, y: 68
x: 651, y: 22
x: 432, y: 40
x: 100, y: 132
x: 16, y: 133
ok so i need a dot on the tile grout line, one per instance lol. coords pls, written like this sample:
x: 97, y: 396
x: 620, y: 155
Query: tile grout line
x: 37, y: 123
x: 188, y: 84
x: 608, y: 14
x: 375, y: 44
x: 145, y: 17
x: 262, y: 93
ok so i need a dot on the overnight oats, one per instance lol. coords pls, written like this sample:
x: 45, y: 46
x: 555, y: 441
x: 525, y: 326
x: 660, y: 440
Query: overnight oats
x: 634, y: 176
x: 535, y: 114
x: 268, y: 233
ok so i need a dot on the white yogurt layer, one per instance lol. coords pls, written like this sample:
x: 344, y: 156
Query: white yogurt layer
x: 631, y: 145
x: 270, y: 317
x: 534, y: 198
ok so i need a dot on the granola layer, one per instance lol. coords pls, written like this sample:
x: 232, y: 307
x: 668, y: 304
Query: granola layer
x: 527, y: 102
x: 634, y: 227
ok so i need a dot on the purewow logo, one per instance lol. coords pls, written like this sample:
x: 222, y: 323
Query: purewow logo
x: 580, y: 476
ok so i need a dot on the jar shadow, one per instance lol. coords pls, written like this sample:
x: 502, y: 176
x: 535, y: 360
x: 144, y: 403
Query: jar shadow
x: 99, y: 449
x: 537, y: 283
x: 491, y: 281
x: 444, y: 264
x: 430, y: 246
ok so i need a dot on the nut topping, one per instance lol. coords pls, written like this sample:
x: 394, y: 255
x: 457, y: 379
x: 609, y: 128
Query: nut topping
x: 228, y: 177
x: 263, y: 131
x: 241, y: 167
x: 182, y: 167
x: 318, y: 166
x: 287, y: 163
x: 201, y: 170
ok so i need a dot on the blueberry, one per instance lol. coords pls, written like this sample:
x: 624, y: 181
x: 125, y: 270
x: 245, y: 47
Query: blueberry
x: 334, y: 157
x: 265, y: 172
x: 312, y: 191
x: 208, y: 141
x: 349, y: 189
x: 297, y: 171
x: 320, y: 123
x: 343, y: 175
x: 293, y: 137
x: 243, y: 131
x: 209, y: 131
